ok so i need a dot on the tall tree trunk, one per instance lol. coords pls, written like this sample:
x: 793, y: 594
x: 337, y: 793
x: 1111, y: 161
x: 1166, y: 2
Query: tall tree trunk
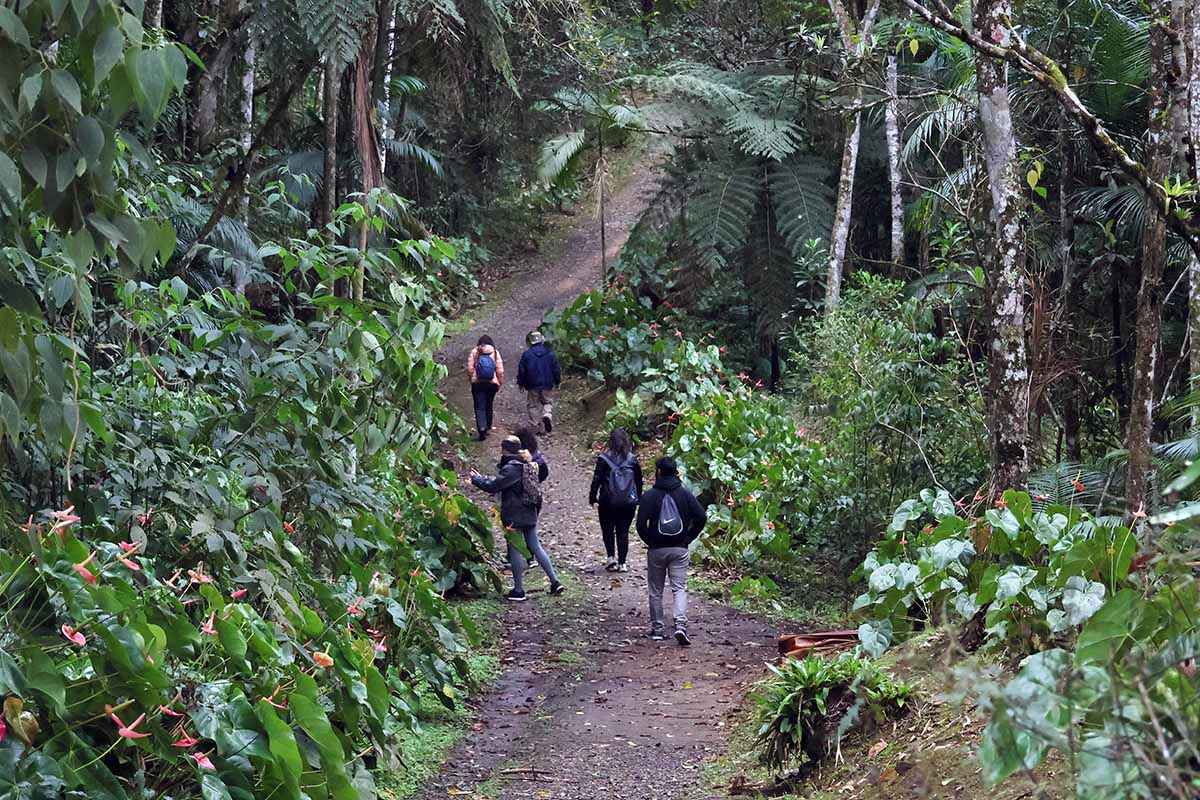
x: 854, y: 42
x: 1167, y: 69
x: 840, y: 237
x: 152, y: 14
x: 330, y: 110
x: 1193, y: 131
x: 1008, y: 366
x: 366, y: 142
x: 892, y: 127
x: 1070, y: 294
x: 246, y: 117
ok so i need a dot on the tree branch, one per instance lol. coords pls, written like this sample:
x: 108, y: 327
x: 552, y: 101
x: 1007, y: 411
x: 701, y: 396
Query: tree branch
x: 1046, y: 72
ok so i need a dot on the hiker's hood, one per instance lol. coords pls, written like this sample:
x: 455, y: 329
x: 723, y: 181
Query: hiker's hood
x: 486, y: 350
x: 668, y: 483
x: 539, y: 350
x: 520, y: 455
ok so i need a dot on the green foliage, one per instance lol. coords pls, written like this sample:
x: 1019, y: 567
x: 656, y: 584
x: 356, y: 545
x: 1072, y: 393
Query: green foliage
x: 886, y: 392
x: 1039, y: 569
x: 807, y: 705
x: 629, y: 412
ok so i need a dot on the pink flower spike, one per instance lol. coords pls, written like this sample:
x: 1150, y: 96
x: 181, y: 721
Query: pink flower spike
x: 197, y: 575
x: 170, y: 712
x: 207, y: 627
x: 186, y: 741
x: 3, y: 729
x: 131, y: 565
x: 271, y: 699
x: 353, y: 608
x: 203, y: 760
x: 129, y: 548
x: 129, y: 731
x: 228, y: 613
x: 82, y: 569
x: 380, y: 646
x: 239, y: 593
x: 74, y: 636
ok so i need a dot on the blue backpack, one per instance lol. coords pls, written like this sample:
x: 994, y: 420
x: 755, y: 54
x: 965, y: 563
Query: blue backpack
x: 485, y: 368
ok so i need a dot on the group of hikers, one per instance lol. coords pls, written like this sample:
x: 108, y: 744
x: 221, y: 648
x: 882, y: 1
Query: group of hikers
x: 668, y: 516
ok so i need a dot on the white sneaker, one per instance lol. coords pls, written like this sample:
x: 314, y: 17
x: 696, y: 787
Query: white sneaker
x: 622, y: 568
x: 610, y: 565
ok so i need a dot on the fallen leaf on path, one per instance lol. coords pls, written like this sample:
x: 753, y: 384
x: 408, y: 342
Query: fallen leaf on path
x: 877, y: 748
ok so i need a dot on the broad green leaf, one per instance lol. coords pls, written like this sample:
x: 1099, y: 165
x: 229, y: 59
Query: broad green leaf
x: 1012, y: 582
x: 12, y: 27
x: 31, y: 89
x: 950, y: 551
x: 875, y: 637
x: 283, y: 747
x: 34, y: 162
x: 109, y: 50
x: 66, y: 87
x: 333, y: 758
x: 91, y: 139
x: 1081, y: 599
x: 1003, y: 519
x: 10, y: 183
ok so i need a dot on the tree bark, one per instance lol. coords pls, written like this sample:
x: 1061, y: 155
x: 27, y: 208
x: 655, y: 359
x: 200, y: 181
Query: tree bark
x: 1193, y: 131
x: 892, y: 127
x: 1167, y: 70
x: 854, y: 42
x: 330, y: 110
x: 152, y: 15
x: 1008, y: 367
x: 246, y: 117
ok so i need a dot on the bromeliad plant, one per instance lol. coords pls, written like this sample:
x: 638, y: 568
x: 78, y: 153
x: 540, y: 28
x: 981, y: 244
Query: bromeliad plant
x: 1037, y: 569
x: 807, y: 705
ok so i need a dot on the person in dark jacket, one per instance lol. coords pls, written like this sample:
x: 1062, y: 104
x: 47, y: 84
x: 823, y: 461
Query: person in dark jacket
x: 667, y: 543
x: 539, y: 376
x: 529, y: 441
x: 518, y: 514
x: 616, y: 513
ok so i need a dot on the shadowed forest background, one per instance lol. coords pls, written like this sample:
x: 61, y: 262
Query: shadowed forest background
x: 915, y: 304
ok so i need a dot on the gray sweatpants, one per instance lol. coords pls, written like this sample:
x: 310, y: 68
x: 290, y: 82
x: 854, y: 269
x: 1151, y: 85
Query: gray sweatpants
x: 661, y: 563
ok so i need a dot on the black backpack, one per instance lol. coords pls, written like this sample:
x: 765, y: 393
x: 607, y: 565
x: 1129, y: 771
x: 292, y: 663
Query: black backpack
x: 670, y: 521
x: 621, y: 487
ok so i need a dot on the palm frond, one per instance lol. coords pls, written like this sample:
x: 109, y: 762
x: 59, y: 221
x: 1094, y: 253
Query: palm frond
x: 411, y: 151
x: 558, y: 155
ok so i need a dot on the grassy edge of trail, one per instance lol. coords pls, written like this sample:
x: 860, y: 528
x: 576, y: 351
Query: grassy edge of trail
x: 423, y: 751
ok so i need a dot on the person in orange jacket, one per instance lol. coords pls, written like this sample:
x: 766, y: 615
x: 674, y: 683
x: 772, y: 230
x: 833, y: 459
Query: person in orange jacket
x: 485, y: 369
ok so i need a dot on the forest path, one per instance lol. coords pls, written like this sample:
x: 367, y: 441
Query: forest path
x: 587, y: 705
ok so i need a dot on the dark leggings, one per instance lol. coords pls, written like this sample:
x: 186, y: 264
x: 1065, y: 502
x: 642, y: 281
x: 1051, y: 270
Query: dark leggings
x: 484, y: 396
x: 614, y: 524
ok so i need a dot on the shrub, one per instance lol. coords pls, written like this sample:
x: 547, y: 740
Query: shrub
x: 1038, y: 569
x: 806, y: 705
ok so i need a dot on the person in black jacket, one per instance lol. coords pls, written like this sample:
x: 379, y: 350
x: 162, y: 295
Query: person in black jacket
x: 518, y: 514
x: 668, y: 528
x: 529, y: 441
x: 617, y: 487
x: 538, y: 374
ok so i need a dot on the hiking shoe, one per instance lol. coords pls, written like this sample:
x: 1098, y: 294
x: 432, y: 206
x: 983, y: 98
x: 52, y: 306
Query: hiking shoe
x: 610, y: 565
x: 622, y: 568
x: 483, y: 435
x: 548, y: 423
x: 516, y: 597
x: 682, y: 637
x: 557, y: 588
x: 657, y: 636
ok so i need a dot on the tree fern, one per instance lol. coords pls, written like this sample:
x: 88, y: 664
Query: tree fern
x: 770, y: 137
x: 719, y: 214
x: 802, y: 201
x: 335, y: 27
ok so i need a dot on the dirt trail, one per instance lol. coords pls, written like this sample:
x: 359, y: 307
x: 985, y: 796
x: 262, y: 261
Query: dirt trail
x: 588, y: 706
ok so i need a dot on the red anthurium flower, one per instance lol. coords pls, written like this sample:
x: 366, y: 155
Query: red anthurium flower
x: 353, y: 608
x: 1001, y: 503
x: 185, y: 741
x: 82, y: 569
x: 130, y: 565
x: 904, y: 541
x: 743, y: 376
x: 289, y: 528
x: 978, y: 497
x: 730, y: 502
x: 380, y: 646
x: 678, y: 333
x: 169, y: 712
x: 323, y: 659
x: 74, y: 636
x: 1041, y: 497
x: 64, y: 519
x: 959, y: 504
x: 129, y: 547
x: 203, y: 760
x: 1078, y: 484
x: 770, y: 525
x: 171, y: 580
x: 197, y: 575
x: 271, y: 699
x: 207, y: 627
x: 239, y: 593
x: 128, y: 731
x: 3, y: 729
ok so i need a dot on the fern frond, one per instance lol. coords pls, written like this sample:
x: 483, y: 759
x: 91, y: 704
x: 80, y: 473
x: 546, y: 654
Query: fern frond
x: 411, y: 151
x: 407, y: 85
x: 769, y: 137
x: 335, y: 27
x: 719, y: 215
x: 558, y: 154
x: 802, y: 200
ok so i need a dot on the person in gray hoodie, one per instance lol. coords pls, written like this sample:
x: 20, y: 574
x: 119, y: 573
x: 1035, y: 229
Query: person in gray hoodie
x: 519, y: 512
